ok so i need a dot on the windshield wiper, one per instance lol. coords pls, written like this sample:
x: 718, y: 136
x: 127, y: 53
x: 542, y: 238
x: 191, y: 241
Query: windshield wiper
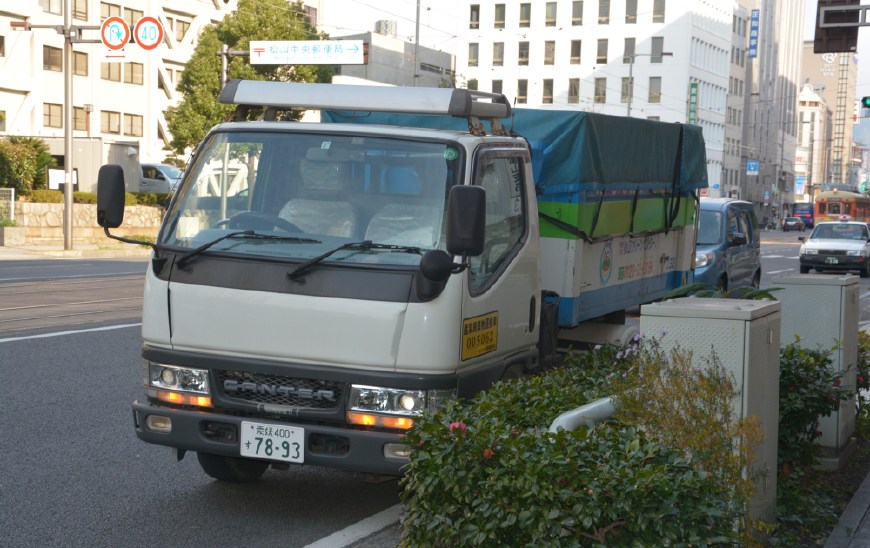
x: 246, y: 233
x: 365, y: 245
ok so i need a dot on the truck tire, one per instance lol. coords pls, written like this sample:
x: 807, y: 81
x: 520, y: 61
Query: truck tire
x: 231, y: 469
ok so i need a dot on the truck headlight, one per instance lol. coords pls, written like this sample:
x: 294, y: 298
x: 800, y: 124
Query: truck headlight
x: 703, y: 259
x: 809, y: 251
x: 391, y: 407
x: 854, y: 253
x: 175, y: 384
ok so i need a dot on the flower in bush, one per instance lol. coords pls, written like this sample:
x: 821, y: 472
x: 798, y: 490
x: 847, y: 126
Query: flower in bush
x: 461, y: 426
x: 488, y: 453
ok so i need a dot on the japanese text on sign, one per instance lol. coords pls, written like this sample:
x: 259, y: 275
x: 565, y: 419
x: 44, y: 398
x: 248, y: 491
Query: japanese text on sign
x: 306, y: 52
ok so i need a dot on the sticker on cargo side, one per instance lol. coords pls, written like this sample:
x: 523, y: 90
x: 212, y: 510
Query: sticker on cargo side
x: 479, y: 335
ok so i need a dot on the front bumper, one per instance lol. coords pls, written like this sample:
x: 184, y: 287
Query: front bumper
x: 218, y: 434
x: 823, y: 262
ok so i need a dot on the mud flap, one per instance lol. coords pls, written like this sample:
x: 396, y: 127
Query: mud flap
x: 548, y: 338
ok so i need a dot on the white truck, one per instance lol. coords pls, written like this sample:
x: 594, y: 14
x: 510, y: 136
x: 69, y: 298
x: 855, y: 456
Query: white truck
x: 362, y: 271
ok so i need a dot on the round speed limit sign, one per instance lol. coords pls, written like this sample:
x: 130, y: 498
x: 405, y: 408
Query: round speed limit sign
x: 148, y: 33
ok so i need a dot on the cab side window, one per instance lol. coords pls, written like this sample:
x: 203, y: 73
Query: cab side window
x: 745, y: 226
x: 501, y: 175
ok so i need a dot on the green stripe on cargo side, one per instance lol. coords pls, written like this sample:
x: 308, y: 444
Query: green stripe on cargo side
x: 615, y: 217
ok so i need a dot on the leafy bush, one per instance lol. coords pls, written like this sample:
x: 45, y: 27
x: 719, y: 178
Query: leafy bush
x: 47, y: 196
x: 4, y: 222
x: 487, y: 472
x: 130, y: 199
x: 18, y: 166
x: 808, y: 389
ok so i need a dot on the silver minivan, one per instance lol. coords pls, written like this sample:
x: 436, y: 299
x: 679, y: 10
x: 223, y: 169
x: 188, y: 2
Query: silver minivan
x: 158, y: 177
x: 728, y: 250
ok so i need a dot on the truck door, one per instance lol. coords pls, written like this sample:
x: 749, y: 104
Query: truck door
x: 502, y: 299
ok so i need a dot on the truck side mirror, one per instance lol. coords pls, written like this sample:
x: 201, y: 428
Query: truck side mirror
x: 110, y: 196
x: 466, y: 220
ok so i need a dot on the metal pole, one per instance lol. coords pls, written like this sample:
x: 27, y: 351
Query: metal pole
x: 225, y: 52
x: 630, y: 83
x: 67, y: 127
x: 417, y: 46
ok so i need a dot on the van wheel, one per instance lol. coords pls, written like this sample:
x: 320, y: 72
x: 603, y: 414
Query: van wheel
x: 230, y: 468
x: 805, y: 270
x: 865, y: 272
x: 756, y: 280
x: 723, y: 283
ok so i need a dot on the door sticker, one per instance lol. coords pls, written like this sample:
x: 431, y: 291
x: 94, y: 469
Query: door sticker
x: 479, y: 335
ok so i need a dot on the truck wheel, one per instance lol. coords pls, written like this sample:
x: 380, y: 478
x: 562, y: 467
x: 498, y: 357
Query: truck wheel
x: 805, y: 270
x: 865, y: 272
x: 230, y: 468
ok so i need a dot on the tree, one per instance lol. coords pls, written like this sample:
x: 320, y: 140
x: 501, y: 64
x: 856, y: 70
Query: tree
x: 17, y: 166
x: 199, y: 86
x: 44, y: 159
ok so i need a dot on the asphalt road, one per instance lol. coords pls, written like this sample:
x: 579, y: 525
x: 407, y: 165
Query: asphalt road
x: 73, y: 471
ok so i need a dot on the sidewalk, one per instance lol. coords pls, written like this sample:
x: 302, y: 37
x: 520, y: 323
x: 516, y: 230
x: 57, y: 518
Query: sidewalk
x: 33, y: 253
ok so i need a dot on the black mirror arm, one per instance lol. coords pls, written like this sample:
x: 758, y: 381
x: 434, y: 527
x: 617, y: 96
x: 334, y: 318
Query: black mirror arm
x: 157, y: 262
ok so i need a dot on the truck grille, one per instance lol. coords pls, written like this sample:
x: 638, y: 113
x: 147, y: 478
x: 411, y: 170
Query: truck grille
x: 832, y: 252
x: 290, y: 392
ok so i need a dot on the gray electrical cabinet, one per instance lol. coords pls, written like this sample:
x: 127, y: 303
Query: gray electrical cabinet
x: 823, y: 311
x: 744, y: 335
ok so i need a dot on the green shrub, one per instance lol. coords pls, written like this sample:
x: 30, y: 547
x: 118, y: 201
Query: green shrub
x: 84, y: 197
x: 808, y: 389
x: 488, y: 472
x: 4, y: 222
x: 47, y: 196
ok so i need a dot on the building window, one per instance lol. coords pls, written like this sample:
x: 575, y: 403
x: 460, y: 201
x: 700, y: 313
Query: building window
x: 498, y: 54
x: 52, y: 58
x: 550, y: 15
x: 52, y: 115
x: 474, y: 17
x: 80, y: 10
x: 522, y: 91
x: 574, y: 90
x: 110, y: 122
x: 132, y: 17
x: 577, y: 13
x: 657, y: 46
x: 575, y: 52
x: 523, y: 53
x: 110, y: 71
x: 109, y: 10
x: 626, y: 89
x: 630, y: 12
x: 80, y: 119
x: 655, y: 89
x: 311, y: 14
x: 628, y: 52
x: 133, y: 125
x: 499, y: 16
x: 473, y: 50
x: 80, y: 63
x: 525, y: 15
x: 2, y: 46
x: 181, y: 28
x: 52, y: 6
x: 601, y: 58
x: 497, y: 86
x: 603, y: 12
x: 601, y: 90
x: 133, y: 73
x: 658, y: 11
x: 549, y: 52
x: 547, y: 98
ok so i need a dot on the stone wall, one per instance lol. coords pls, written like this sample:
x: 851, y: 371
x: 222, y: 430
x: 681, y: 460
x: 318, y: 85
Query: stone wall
x: 43, y: 223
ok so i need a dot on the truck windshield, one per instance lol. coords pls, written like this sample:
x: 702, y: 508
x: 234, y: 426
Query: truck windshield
x: 325, y: 190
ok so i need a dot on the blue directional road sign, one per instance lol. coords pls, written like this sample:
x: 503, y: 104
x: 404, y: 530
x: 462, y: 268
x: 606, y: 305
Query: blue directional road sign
x: 306, y: 52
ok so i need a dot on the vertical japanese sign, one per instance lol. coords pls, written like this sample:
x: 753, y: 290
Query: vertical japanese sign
x: 753, y: 35
x: 692, y: 117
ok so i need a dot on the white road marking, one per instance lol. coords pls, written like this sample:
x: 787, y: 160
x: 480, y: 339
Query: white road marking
x: 360, y: 529
x: 61, y: 333
x: 778, y: 271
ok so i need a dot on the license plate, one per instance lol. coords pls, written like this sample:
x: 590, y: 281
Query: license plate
x: 268, y: 441
x: 831, y: 260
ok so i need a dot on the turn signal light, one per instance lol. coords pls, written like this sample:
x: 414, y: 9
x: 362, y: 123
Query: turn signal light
x: 184, y: 399
x: 366, y: 419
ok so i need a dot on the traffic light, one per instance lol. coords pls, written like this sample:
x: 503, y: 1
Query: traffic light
x: 865, y: 102
x: 844, y: 36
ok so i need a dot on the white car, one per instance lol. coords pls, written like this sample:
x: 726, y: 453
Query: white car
x: 158, y: 177
x: 837, y: 246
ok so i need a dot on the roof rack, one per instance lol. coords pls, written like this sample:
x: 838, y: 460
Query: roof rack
x: 271, y: 95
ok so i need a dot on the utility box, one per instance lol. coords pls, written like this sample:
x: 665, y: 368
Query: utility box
x: 823, y: 311
x: 744, y: 335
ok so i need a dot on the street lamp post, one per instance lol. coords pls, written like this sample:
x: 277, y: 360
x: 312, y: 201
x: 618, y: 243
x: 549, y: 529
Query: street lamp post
x: 72, y: 35
x: 631, y: 73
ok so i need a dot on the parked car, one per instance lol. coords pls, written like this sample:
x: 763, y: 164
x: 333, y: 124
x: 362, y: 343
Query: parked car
x: 158, y: 177
x: 793, y: 223
x: 728, y: 251
x: 837, y: 246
